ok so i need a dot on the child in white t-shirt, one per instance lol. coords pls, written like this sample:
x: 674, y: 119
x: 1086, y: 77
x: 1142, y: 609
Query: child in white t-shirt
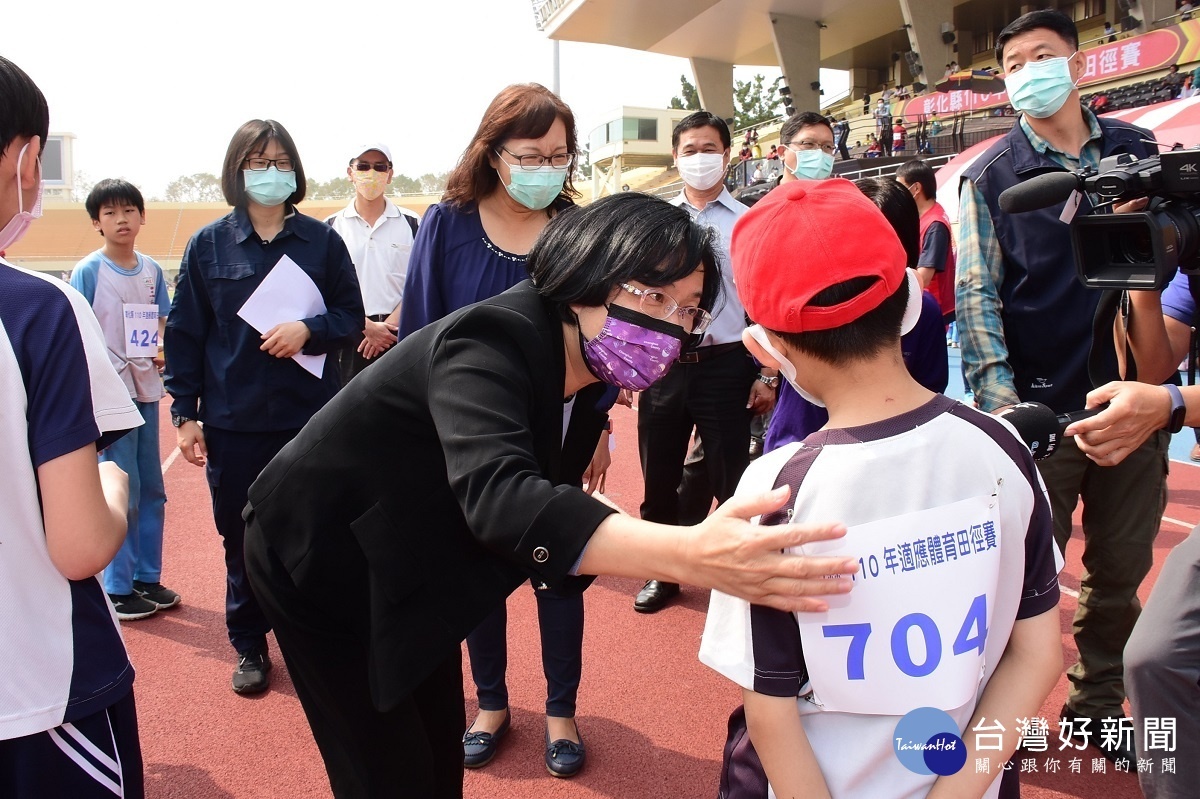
x: 953, y: 611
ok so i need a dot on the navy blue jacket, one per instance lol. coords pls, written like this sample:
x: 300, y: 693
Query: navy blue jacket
x: 1047, y: 313
x: 215, y: 370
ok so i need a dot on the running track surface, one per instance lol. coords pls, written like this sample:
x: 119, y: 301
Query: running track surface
x: 652, y: 716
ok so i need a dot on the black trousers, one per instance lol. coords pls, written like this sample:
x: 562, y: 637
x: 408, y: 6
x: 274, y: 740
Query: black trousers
x: 413, y: 750
x: 234, y: 462
x: 711, y: 396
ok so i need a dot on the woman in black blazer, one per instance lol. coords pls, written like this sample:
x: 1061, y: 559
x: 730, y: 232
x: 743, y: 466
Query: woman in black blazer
x: 372, y: 576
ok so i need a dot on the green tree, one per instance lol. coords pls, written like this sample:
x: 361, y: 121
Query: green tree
x: 403, y: 184
x: 689, y: 100
x: 334, y: 189
x: 753, y: 102
x: 202, y: 187
x: 433, y: 184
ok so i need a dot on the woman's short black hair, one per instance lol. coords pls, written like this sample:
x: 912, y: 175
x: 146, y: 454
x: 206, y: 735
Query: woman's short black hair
x: 25, y: 111
x: 1047, y: 19
x: 585, y: 252
x: 252, y: 137
x: 878, y: 328
x: 111, y: 191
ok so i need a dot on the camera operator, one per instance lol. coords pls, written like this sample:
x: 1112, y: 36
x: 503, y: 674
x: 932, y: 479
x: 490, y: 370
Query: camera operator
x: 1162, y: 658
x: 1026, y: 326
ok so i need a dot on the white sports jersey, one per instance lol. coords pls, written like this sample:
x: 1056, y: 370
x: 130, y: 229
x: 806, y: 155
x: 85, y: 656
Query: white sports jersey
x: 949, y: 516
x: 61, y: 653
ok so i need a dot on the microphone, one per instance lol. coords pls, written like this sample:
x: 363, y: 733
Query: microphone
x: 1040, y: 427
x: 1038, y: 192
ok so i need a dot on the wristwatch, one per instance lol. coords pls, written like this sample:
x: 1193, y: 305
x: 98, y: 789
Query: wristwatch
x: 1178, y: 408
x: 179, y: 420
x: 772, y: 382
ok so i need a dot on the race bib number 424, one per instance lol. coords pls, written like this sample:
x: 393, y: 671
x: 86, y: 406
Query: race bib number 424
x: 913, y: 630
x: 141, y: 330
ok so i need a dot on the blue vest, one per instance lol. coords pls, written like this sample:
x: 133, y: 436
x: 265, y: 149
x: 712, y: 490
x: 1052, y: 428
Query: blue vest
x: 1047, y: 313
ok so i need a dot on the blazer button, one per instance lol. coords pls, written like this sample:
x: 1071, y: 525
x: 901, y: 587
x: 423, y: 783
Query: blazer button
x: 541, y: 554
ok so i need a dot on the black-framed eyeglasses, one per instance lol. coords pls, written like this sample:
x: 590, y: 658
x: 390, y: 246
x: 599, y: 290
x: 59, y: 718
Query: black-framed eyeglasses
x: 284, y: 164
x: 367, y: 166
x: 662, y: 306
x: 532, y: 162
x: 797, y: 146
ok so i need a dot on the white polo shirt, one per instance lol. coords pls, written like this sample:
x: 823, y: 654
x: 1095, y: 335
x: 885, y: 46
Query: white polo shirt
x: 380, y: 253
x: 720, y: 215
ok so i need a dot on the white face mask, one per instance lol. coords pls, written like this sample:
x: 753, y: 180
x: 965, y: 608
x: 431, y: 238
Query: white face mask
x: 786, y: 367
x: 701, y: 171
x: 21, y: 221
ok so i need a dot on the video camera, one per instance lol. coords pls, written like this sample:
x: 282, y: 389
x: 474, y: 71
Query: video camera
x: 1136, y: 251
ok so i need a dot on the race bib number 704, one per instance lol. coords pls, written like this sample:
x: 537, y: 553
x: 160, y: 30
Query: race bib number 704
x: 913, y: 630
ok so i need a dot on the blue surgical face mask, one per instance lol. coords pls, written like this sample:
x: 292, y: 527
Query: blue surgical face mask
x: 535, y: 188
x: 269, y: 186
x: 1040, y: 88
x: 813, y: 164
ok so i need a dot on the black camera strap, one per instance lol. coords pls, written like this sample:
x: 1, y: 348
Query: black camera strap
x: 1100, y: 366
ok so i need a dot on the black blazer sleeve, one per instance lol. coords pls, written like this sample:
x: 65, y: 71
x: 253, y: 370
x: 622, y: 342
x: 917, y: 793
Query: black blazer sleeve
x: 498, y: 415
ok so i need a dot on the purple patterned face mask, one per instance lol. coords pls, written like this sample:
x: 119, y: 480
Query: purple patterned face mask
x: 633, y: 350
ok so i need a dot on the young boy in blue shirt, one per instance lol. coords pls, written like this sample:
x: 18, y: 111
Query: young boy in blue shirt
x: 129, y: 296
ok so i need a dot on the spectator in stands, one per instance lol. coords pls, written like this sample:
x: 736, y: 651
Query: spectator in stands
x: 841, y: 133
x: 1099, y: 103
x: 867, y: 103
x: 243, y: 383
x: 947, y: 73
x: 1026, y: 325
x: 745, y: 154
x: 479, y: 495
x: 954, y: 66
x: 883, y: 126
x: 899, y: 136
x: 379, y: 236
x: 873, y: 150
x: 935, y: 264
x: 1110, y: 32
x: 1185, y: 10
x: 129, y: 295
x: 513, y: 178
x: 715, y: 387
x: 935, y: 124
x: 67, y: 684
x: 758, y: 173
x: 1173, y: 81
x: 1189, y: 88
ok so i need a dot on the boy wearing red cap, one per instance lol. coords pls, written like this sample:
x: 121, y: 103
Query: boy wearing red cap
x: 951, y: 628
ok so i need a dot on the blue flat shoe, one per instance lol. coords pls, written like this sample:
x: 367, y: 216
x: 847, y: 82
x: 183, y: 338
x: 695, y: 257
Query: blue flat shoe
x: 564, y: 758
x: 480, y: 747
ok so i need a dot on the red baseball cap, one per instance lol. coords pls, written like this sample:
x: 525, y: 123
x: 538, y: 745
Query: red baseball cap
x: 804, y: 237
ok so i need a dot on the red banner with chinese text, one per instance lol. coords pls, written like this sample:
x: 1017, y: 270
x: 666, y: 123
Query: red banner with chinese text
x: 1178, y: 44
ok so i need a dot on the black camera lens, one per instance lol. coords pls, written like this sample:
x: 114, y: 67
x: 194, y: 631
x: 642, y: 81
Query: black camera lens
x: 1133, y: 246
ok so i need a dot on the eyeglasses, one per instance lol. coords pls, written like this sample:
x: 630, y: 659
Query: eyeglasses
x: 262, y: 164
x: 661, y: 306
x: 532, y: 162
x: 797, y: 146
x: 367, y: 166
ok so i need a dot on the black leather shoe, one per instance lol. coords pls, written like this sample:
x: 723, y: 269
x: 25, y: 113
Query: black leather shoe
x: 1114, y: 752
x: 565, y: 758
x: 480, y: 747
x: 654, y: 595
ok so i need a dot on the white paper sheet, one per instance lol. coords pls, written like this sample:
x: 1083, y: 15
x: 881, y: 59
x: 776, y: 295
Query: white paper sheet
x: 287, y: 294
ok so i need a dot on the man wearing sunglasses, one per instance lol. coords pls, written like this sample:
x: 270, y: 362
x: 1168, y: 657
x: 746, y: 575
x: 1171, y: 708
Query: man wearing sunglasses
x: 379, y: 236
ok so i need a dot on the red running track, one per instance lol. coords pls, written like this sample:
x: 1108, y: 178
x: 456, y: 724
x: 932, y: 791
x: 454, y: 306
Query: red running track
x: 652, y: 716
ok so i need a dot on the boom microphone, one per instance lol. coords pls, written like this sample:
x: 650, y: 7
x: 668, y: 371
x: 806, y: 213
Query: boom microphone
x: 1038, y: 192
x: 1040, y: 428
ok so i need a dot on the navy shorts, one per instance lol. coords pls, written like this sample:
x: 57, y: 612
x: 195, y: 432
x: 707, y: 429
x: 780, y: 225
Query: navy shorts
x: 96, y: 757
